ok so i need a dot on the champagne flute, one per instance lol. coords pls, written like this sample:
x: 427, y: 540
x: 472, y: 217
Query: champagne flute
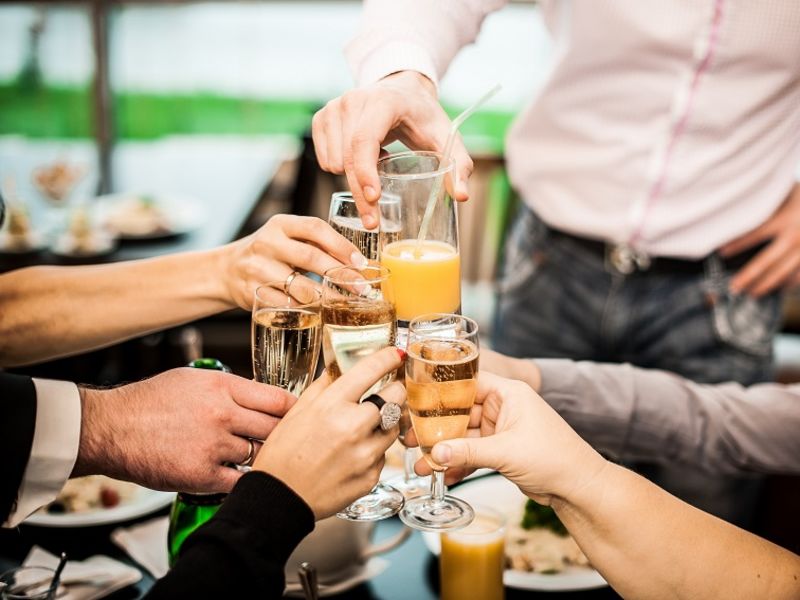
x: 441, y: 381
x: 358, y: 319
x: 344, y: 218
x: 286, y: 331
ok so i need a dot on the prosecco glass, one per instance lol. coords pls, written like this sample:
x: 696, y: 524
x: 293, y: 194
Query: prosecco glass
x: 286, y: 332
x: 441, y: 374
x: 344, y: 218
x: 359, y: 319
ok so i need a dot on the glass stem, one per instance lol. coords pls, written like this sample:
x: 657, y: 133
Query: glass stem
x: 409, y: 458
x: 437, y: 487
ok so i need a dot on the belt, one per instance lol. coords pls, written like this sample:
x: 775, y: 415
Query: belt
x: 626, y: 261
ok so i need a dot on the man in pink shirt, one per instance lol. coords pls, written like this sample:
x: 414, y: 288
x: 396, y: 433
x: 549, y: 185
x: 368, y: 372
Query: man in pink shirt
x: 657, y: 169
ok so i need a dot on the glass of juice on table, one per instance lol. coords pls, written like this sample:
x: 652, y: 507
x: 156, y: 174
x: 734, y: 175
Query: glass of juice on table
x: 473, y: 558
x: 426, y: 272
x: 441, y: 383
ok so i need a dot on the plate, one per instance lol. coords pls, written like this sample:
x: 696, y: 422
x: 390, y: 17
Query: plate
x: 182, y: 215
x: 502, y: 495
x: 144, y: 502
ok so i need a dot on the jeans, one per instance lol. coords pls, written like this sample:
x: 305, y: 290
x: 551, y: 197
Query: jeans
x: 558, y: 299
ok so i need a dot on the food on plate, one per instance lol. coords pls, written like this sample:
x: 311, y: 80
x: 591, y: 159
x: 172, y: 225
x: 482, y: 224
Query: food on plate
x: 57, y: 179
x: 137, y: 216
x: 537, y: 541
x: 19, y: 235
x: 93, y: 492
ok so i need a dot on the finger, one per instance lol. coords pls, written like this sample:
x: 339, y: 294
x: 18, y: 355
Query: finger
x: 253, y: 424
x: 354, y: 384
x: 259, y: 397
x: 394, y: 392
x: 320, y: 139
x: 410, y: 439
x: 332, y: 126
x: 224, y: 480
x: 468, y: 452
x: 319, y: 385
x: 749, y: 239
x: 749, y: 274
x: 779, y: 275
x: 236, y: 450
x: 464, y: 168
x: 312, y: 229
x: 451, y: 476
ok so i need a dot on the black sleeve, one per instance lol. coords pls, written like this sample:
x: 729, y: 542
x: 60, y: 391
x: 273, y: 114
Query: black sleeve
x: 241, y: 552
x: 17, y: 425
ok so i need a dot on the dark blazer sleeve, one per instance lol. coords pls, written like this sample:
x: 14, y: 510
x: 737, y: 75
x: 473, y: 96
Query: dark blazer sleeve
x: 17, y: 424
x: 241, y: 552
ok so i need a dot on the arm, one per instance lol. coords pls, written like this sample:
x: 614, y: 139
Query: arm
x: 645, y: 542
x: 631, y: 414
x: 47, y: 312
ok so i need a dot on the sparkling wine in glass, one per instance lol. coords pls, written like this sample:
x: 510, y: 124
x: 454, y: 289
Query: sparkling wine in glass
x: 441, y: 383
x: 359, y: 319
x: 286, y: 332
x: 344, y: 218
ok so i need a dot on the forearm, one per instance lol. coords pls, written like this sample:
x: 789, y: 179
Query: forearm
x: 648, y: 544
x: 47, y: 312
x: 637, y: 414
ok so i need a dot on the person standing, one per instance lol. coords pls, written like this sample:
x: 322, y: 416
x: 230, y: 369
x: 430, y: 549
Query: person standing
x: 657, y: 167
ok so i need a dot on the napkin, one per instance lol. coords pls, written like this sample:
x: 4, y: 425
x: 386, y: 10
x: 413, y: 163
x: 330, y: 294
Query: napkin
x: 146, y: 543
x: 95, y: 577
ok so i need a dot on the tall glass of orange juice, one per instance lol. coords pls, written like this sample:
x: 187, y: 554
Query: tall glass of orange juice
x: 426, y: 272
x: 473, y: 558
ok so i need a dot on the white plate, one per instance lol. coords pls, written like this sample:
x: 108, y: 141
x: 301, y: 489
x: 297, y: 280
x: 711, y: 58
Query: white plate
x: 144, y: 502
x: 502, y: 495
x: 184, y: 214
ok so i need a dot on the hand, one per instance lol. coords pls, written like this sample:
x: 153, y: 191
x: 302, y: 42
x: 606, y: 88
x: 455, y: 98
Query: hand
x: 778, y: 264
x: 175, y: 430
x: 515, y: 432
x: 283, y: 244
x: 521, y: 369
x: 349, y: 132
x: 330, y: 449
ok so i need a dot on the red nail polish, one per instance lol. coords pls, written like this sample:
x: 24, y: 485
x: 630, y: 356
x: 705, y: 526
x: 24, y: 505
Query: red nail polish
x: 401, y: 353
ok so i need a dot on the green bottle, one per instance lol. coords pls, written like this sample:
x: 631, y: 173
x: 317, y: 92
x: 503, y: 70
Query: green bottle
x: 190, y: 511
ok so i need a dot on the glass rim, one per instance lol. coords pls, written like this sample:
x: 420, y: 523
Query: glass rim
x: 430, y: 317
x: 280, y: 286
x: 485, y: 511
x: 386, y: 198
x: 328, y: 277
x: 13, y: 595
x: 449, y: 165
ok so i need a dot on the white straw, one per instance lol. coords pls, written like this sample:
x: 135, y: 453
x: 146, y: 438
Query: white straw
x: 448, y: 149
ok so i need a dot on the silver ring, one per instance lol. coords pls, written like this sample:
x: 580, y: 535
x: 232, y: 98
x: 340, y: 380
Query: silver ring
x: 251, y: 455
x: 287, y: 284
x: 390, y: 411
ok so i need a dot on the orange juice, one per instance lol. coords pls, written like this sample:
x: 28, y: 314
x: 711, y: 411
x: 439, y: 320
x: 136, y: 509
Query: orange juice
x: 473, y: 559
x: 426, y: 277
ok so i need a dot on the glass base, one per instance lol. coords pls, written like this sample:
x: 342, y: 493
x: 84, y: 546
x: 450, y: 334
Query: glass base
x: 382, y: 502
x: 413, y: 487
x: 429, y: 515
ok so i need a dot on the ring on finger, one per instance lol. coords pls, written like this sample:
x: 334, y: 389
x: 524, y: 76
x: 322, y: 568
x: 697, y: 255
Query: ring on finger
x: 251, y: 455
x: 390, y: 411
x: 288, y: 283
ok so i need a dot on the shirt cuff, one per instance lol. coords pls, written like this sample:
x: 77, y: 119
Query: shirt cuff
x: 55, y: 447
x: 373, y: 65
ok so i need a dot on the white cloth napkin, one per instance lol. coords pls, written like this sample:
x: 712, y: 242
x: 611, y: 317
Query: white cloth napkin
x: 95, y: 577
x: 146, y: 543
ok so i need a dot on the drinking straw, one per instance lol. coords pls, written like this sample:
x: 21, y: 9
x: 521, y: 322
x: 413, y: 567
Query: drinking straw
x: 448, y: 149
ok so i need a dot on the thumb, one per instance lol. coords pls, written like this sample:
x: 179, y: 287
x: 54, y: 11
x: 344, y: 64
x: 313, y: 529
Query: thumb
x: 468, y: 452
x: 464, y: 168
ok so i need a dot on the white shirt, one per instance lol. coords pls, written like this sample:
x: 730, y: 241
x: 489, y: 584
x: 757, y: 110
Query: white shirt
x: 673, y: 126
x: 56, y: 439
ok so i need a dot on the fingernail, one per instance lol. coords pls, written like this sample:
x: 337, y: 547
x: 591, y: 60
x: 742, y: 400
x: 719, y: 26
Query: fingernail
x: 370, y: 222
x: 358, y: 260
x: 401, y: 353
x: 442, y: 453
x: 370, y: 194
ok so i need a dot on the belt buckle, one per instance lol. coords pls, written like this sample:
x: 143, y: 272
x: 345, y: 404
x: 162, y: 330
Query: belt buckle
x: 621, y: 259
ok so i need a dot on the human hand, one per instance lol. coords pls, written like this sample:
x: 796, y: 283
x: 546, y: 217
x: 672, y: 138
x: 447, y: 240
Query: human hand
x: 176, y: 430
x: 350, y: 130
x: 515, y: 432
x: 521, y: 369
x: 329, y: 448
x: 283, y: 244
x: 778, y: 264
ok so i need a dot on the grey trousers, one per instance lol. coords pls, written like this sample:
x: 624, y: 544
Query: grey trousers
x: 557, y: 299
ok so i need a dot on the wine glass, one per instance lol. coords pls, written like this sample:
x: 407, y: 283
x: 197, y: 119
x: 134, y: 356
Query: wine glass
x: 344, y: 218
x: 426, y: 272
x: 285, y: 335
x: 441, y: 383
x: 359, y: 319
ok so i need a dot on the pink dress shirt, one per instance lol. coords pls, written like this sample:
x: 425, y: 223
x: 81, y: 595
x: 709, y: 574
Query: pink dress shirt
x: 671, y: 126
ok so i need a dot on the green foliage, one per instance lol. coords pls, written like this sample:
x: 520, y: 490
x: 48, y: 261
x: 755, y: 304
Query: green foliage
x: 537, y: 515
